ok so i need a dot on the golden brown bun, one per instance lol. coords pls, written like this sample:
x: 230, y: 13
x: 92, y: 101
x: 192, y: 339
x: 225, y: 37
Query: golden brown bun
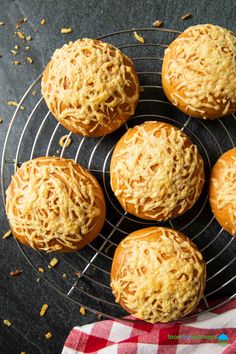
x: 158, y: 274
x: 91, y: 87
x: 156, y: 171
x: 54, y: 204
x: 198, y: 72
x: 223, y: 191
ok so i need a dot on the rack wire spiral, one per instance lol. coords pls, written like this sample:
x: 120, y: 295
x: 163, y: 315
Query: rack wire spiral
x: 34, y: 132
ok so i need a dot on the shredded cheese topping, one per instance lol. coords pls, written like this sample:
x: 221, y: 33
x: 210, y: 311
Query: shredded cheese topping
x: 225, y: 189
x: 160, y: 276
x: 157, y: 170
x: 53, y: 203
x: 90, y: 84
x: 202, y: 68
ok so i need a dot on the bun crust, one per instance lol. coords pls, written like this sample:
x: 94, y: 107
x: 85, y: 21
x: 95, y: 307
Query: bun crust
x: 158, y: 274
x: 54, y: 204
x: 156, y: 171
x: 199, y: 72
x: 222, y: 191
x: 91, y: 87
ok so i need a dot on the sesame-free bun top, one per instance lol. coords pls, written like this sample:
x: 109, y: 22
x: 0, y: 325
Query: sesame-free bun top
x: 156, y: 171
x: 91, y: 87
x: 158, y: 274
x: 223, y: 191
x: 54, y: 204
x: 199, y: 71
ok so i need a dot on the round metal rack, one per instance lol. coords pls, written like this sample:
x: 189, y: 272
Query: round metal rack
x: 84, y: 277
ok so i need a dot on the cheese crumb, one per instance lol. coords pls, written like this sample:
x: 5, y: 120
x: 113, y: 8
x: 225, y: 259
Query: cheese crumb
x: 82, y: 310
x: 138, y: 37
x: 7, y: 323
x: 53, y: 262
x: 66, y: 30
x: 7, y: 234
x: 20, y: 34
x: 43, y: 310
x: 30, y: 60
x: 48, y: 335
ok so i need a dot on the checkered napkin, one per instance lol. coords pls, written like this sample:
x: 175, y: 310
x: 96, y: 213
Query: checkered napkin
x: 213, y: 332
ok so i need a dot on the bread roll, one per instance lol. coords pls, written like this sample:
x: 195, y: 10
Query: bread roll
x: 199, y: 72
x: 54, y: 204
x: 156, y: 171
x: 158, y: 274
x: 223, y: 191
x: 91, y: 87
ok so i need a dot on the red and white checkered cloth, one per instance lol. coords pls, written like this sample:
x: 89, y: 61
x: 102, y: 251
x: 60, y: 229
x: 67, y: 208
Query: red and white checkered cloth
x: 215, y: 332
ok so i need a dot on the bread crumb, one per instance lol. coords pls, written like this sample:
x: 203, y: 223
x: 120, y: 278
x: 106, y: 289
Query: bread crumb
x: 34, y: 92
x: 64, y: 275
x: 48, y: 335
x: 82, y: 310
x: 43, y: 22
x: 63, y: 142
x: 66, y: 30
x: 53, y: 262
x: 7, y: 234
x: 40, y: 269
x: 7, y: 323
x: 21, y: 22
x: 43, y: 310
x: 138, y: 37
x: 158, y: 23
x: 2, y: 23
x: 108, y: 247
x: 1, y: 120
x: 99, y: 316
x: 29, y: 38
x: 13, y: 52
x: 15, y: 273
x: 16, y: 47
x: 16, y: 62
x: 27, y: 47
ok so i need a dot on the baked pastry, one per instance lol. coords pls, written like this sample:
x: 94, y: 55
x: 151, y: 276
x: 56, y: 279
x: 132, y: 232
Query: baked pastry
x: 156, y: 171
x: 91, y: 87
x: 222, y: 191
x: 199, y: 72
x: 158, y: 274
x: 54, y: 204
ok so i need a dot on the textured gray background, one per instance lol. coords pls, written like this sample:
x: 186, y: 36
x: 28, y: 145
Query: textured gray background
x: 21, y: 298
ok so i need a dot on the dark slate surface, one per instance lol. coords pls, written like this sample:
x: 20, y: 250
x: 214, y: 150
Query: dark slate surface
x: 21, y: 298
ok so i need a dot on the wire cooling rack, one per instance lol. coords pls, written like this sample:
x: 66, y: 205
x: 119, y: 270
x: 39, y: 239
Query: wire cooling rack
x: 84, y: 276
